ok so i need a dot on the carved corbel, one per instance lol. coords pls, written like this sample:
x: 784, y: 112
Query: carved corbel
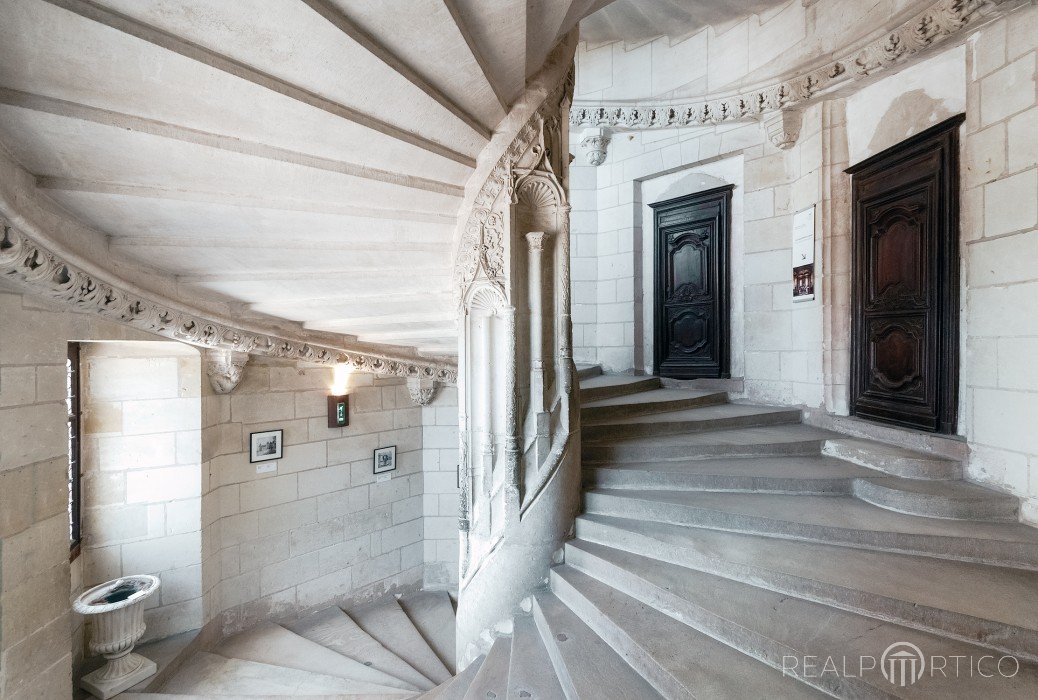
x: 422, y: 391
x: 595, y: 142
x: 224, y: 368
x: 783, y: 127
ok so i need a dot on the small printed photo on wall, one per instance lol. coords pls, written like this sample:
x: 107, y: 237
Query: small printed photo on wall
x: 266, y: 446
x: 385, y: 459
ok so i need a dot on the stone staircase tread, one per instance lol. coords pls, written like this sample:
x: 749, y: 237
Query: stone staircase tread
x: 883, y: 448
x: 885, y: 582
x: 954, y: 490
x: 432, y: 613
x: 587, y: 667
x: 492, y: 679
x: 588, y: 371
x: 387, y: 622
x: 611, y: 380
x: 334, y: 629
x: 832, y: 511
x: 774, y: 626
x: 697, y: 666
x: 180, y: 696
x: 741, y: 436
x: 649, y: 397
x: 272, y: 644
x: 530, y: 671
x: 726, y: 410
x: 212, y: 674
x: 457, y: 687
x: 798, y: 467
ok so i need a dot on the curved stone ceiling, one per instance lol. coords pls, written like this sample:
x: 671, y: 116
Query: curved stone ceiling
x: 637, y: 20
x: 296, y: 161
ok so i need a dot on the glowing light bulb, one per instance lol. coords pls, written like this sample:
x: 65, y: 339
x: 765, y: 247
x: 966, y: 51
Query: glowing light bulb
x: 341, y: 379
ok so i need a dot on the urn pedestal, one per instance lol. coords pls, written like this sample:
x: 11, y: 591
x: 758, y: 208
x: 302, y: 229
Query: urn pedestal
x: 116, y: 611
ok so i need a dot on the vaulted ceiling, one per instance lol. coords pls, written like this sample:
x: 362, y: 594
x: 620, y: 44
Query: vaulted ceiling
x: 639, y: 20
x: 302, y: 159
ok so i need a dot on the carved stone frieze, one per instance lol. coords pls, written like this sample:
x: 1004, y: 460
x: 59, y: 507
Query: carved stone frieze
x: 224, y: 368
x: 928, y: 28
x: 33, y: 266
x: 422, y: 391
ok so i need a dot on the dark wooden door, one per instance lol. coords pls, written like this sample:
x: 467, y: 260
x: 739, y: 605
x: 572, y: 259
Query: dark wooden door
x: 691, y: 273
x: 905, y: 280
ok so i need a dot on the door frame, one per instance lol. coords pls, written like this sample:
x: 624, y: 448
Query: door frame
x: 944, y: 138
x: 722, y: 304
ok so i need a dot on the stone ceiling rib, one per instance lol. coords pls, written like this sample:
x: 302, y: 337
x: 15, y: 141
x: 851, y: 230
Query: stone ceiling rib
x: 341, y: 22
x: 165, y: 40
x: 82, y: 112
x: 68, y: 184
x: 470, y: 41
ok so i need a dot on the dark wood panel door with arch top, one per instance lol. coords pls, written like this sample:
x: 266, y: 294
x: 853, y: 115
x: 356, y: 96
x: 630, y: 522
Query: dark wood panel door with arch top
x: 905, y: 281
x: 692, y: 285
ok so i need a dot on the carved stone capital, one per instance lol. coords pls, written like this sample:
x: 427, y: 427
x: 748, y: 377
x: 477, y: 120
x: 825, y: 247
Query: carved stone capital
x: 783, y: 127
x: 224, y: 368
x: 595, y: 142
x: 422, y: 391
x: 536, y: 240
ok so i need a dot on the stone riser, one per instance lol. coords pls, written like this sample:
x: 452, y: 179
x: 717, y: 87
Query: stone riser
x: 997, y: 636
x: 750, y: 642
x: 1013, y: 554
x: 914, y: 467
x: 646, y: 408
x: 592, y: 433
x: 618, y: 452
x: 651, y: 480
x: 599, y: 393
x: 886, y: 494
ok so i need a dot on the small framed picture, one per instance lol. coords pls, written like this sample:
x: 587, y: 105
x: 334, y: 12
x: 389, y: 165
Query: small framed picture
x: 266, y: 446
x: 385, y: 459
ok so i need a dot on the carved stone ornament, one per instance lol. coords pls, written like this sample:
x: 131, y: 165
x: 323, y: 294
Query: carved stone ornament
x: 595, y: 142
x: 422, y: 391
x: 224, y: 368
x: 33, y: 266
x: 924, y: 30
x: 783, y: 127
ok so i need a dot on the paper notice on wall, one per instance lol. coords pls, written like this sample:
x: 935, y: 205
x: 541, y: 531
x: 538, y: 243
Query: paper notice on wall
x: 804, y: 255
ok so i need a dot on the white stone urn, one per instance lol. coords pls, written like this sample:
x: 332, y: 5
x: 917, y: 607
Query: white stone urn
x: 117, y: 622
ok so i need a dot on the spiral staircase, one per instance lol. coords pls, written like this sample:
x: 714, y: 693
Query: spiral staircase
x: 721, y: 545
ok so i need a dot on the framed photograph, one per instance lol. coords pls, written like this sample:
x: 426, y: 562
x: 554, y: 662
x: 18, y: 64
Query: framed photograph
x: 385, y: 459
x: 266, y: 446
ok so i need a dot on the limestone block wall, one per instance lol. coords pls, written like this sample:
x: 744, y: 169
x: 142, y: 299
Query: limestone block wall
x: 321, y: 528
x: 38, y: 636
x: 141, y: 467
x: 441, y: 492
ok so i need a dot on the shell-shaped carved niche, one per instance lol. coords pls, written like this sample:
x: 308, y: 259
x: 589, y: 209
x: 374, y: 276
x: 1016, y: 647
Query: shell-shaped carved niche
x: 485, y: 299
x: 537, y: 194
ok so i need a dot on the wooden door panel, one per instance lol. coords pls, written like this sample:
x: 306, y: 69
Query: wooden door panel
x: 691, y: 285
x: 904, y: 345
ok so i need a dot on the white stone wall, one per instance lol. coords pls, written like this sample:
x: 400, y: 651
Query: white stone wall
x: 141, y: 466
x: 441, y: 492
x: 999, y: 380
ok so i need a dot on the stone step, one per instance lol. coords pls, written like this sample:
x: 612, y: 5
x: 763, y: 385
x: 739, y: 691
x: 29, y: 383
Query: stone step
x: 678, y: 660
x: 771, y: 441
x: 272, y: 644
x: 387, y: 622
x: 838, y: 520
x: 179, y: 696
x: 801, y: 636
x: 492, y: 679
x: 432, y: 613
x: 530, y: 671
x: 695, y: 420
x: 457, y: 687
x: 335, y: 629
x: 588, y: 371
x: 611, y: 386
x: 971, y: 602
x: 650, y: 402
x: 956, y: 500
x: 804, y: 475
x: 586, y: 666
x: 892, y: 459
x: 212, y: 674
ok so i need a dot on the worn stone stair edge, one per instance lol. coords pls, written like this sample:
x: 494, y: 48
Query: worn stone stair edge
x: 599, y: 452
x: 609, y: 391
x: 759, y: 646
x: 1019, y: 641
x: 594, y: 431
x: 491, y: 681
x: 997, y: 552
x: 884, y: 493
x: 648, y: 480
x: 456, y: 687
x: 530, y: 670
x: 884, y: 457
x: 641, y: 408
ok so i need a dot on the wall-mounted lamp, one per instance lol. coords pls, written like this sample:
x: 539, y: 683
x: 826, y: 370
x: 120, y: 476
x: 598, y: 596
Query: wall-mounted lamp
x: 339, y: 400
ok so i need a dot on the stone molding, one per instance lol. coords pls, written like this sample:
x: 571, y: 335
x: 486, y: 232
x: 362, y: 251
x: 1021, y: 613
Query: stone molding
x: 925, y: 30
x: 224, y: 368
x: 422, y: 391
x: 34, y: 266
x: 595, y: 143
x: 783, y: 127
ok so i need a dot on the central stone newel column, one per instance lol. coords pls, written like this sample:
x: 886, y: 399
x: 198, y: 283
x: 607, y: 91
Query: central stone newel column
x: 117, y: 621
